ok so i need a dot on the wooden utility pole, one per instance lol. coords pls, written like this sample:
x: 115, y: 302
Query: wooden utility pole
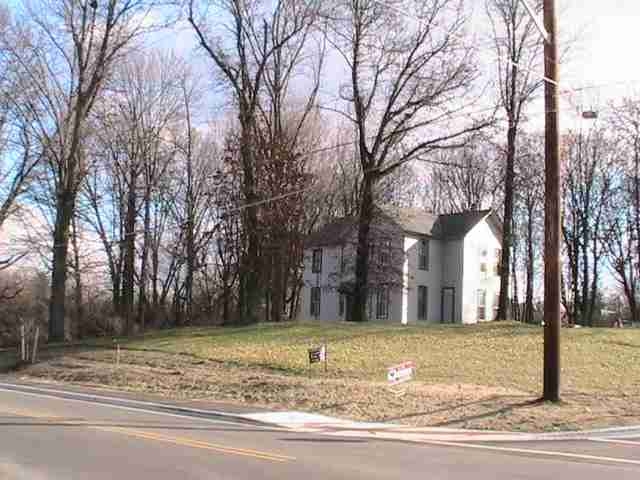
x: 552, y: 201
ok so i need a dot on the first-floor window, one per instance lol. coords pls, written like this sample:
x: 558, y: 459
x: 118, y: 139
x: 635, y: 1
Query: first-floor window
x: 315, y: 302
x: 496, y: 305
x: 482, y: 303
x: 341, y: 304
x: 382, y: 303
x: 423, y: 302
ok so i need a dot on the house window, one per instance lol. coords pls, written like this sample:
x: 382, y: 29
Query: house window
x: 342, y: 260
x: 423, y: 302
x: 482, y: 302
x: 384, y: 253
x: 496, y: 304
x: 382, y: 303
x: 341, y: 304
x: 316, y: 263
x: 496, y: 270
x: 315, y: 301
x: 483, y: 269
x: 423, y: 254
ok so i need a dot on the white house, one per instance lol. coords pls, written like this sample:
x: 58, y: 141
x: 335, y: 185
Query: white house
x: 423, y: 268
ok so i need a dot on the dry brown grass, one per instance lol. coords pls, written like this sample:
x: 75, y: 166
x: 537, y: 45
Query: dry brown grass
x: 484, y: 376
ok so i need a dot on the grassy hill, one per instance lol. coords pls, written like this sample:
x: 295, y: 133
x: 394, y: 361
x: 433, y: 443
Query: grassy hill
x: 481, y: 376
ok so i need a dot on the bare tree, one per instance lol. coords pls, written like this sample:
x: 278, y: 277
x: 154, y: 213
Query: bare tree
x: 471, y: 177
x: 529, y: 205
x: 74, y: 44
x: 518, y: 47
x: 407, y: 77
x: 622, y: 218
x: 19, y: 153
x: 259, y: 30
x: 588, y: 187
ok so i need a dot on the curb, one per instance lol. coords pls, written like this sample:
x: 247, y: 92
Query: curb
x: 315, y: 423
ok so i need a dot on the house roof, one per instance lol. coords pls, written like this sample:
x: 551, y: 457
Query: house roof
x: 457, y: 225
x: 332, y: 233
x: 447, y: 227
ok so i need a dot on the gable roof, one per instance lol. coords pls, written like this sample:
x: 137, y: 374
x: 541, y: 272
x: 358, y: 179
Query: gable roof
x: 456, y: 225
x: 452, y: 226
x: 332, y: 233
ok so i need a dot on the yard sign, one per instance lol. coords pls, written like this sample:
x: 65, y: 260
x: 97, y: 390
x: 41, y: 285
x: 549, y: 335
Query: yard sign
x: 318, y: 354
x: 398, y: 375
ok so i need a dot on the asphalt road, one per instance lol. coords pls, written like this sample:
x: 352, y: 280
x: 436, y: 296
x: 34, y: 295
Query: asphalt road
x: 46, y: 436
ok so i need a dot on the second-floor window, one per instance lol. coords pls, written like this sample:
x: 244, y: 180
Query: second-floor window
x: 498, y: 261
x: 384, y: 253
x: 316, y: 261
x: 423, y: 254
x: 483, y: 268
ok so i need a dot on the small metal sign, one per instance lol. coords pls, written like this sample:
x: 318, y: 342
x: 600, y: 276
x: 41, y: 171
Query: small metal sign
x: 318, y: 354
x: 398, y: 375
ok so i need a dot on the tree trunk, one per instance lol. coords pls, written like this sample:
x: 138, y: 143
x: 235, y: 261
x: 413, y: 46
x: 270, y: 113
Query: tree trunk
x: 515, y: 302
x: 128, y: 276
x: 360, y: 292
x: 528, y: 304
x: 144, y: 269
x: 507, y: 224
x: 77, y: 276
x: 249, y: 291
x: 277, y: 285
x: 64, y: 213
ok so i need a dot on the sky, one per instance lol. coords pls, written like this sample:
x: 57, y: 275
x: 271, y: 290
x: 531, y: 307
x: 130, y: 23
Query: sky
x: 607, y: 54
x: 603, y: 54
x: 604, y: 37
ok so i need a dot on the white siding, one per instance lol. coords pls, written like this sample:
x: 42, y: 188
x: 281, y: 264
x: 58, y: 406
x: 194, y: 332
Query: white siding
x: 454, y: 264
x: 413, y: 277
x: 478, y: 241
x: 327, y: 280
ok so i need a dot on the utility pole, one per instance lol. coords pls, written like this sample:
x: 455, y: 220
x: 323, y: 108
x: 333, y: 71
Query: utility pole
x: 552, y: 202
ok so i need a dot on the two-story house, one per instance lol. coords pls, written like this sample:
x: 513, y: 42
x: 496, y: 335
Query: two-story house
x: 423, y: 268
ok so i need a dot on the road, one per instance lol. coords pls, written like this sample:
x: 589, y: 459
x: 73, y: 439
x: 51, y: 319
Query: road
x: 49, y: 435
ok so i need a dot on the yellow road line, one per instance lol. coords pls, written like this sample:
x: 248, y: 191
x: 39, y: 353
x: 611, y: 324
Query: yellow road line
x: 183, y: 441
x: 197, y: 444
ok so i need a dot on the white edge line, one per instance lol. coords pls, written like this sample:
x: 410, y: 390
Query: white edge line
x: 614, y: 440
x: 122, y: 407
x: 545, y: 453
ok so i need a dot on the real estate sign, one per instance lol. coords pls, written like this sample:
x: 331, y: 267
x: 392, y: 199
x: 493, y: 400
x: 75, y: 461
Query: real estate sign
x: 400, y: 373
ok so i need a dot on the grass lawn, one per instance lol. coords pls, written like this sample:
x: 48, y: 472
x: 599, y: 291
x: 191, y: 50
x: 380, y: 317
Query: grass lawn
x: 482, y: 376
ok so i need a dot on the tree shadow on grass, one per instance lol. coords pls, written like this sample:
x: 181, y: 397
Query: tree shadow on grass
x: 492, y: 413
x: 453, y: 408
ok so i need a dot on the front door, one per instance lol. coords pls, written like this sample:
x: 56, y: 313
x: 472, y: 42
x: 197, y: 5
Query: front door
x: 448, y: 304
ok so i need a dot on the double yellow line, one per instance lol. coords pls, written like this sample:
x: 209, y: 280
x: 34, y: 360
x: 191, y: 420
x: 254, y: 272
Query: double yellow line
x: 182, y: 441
x: 188, y: 442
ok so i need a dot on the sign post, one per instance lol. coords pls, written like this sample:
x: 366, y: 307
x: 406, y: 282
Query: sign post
x: 318, y: 354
